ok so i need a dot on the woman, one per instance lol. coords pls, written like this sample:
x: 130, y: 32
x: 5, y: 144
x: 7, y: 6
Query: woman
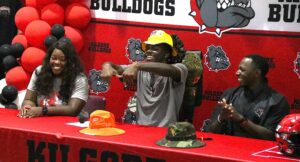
x: 58, y: 87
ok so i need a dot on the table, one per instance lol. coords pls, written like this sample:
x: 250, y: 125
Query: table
x: 50, y: 139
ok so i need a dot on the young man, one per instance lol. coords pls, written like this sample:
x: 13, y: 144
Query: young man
x: 8, y: 28
x: 253, y: 109
x: 160, y: 84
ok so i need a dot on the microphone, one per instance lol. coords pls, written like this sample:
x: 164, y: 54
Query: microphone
x: 83, y: 116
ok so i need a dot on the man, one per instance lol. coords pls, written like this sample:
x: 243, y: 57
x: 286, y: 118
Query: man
x: 160, y: 84
x: 253, y: 109
x: 8, y: 28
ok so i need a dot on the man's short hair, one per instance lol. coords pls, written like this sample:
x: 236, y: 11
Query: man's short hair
x: 261, y: 63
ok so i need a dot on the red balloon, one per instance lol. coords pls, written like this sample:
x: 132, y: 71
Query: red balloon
x: 17, y: 77
x: 53, y: 14
x: 31, y: 58
x: 77, y: 15
x: 36, y: 32
x: 20, y: 38
x: 75, y: 36
x: 38, y: 3
x: 24, y: 16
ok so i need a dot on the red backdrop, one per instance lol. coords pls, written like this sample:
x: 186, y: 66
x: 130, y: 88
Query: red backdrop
x: 273, y: 32
x: 110, y: 38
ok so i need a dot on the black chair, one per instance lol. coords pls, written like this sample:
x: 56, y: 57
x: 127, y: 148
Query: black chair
x: 93, y: 103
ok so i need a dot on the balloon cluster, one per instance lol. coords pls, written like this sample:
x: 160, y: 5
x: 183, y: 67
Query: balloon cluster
x: 41, y: 23
x: 57, y: 32
x: 8, y: 95
x: 9, y: 54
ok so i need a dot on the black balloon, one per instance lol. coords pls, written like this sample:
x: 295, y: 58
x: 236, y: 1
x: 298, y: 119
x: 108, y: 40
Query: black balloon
x: 9, y: 62
x: 10, y: 93
x: 65, y: 39
x: 50, y: 40
x: 17, y: 49
x: 5, y: 50
x: 3, y: 101
x: 11, y: 106
x: 58, y: 30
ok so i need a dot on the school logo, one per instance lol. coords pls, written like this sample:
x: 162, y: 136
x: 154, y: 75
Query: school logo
x: 218, y: 16
x: 297, y: 65
x: 259, y: 111
x: 216, y: 59
x: 97, y: 85
x: 134, y: 50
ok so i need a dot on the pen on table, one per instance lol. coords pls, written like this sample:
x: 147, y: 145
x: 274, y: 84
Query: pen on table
x: 205, y: 138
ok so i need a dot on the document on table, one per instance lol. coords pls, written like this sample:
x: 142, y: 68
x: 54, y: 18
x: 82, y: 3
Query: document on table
x: 78, y: 124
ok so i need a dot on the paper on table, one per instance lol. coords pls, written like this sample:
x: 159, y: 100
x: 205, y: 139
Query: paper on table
x: 78, y: 124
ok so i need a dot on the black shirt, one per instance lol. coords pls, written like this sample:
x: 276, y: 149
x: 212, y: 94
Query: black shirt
x: 8, y: 28
x: 264, y: 107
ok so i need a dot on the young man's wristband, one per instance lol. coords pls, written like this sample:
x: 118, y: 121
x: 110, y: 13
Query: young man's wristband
x: 44, y: 110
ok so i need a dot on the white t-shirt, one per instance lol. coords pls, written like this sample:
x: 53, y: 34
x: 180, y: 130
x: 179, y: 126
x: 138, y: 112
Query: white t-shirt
x: 80, y: 90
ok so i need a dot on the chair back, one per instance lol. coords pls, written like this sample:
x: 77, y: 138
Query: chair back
x: 94, y: 103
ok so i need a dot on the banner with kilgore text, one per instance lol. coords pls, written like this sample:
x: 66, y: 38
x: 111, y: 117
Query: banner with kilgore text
x: 223, y: 30
x: 32, y: 147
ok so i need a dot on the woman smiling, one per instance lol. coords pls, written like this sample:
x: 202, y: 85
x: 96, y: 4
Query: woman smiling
x: 58, y: 86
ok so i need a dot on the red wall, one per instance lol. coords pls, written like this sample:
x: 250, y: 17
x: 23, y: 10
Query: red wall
x: 280, y: 48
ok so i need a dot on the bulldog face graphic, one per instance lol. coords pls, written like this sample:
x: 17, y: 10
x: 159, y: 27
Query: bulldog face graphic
x: 217, y: 16
x: 216, y: 59
x: 297, y: 65
x: 134, y: 51
x: 97, y: 85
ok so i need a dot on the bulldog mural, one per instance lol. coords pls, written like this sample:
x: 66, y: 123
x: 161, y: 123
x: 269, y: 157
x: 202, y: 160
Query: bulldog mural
x: 97, y: 85
x: 134, y: 51
x: 216, y: 59
x: 217, y: 16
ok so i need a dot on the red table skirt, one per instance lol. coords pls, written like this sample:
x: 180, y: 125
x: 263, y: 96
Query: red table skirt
x: 50, y: 139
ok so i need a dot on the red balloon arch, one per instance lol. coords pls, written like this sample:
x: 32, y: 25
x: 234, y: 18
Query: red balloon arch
x: 35, y: 21
x: 53, y: 14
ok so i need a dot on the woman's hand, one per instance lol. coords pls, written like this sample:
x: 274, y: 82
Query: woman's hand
x: 29, y: 112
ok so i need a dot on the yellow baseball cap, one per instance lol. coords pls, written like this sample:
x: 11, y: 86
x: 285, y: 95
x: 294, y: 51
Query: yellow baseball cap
x: 102, y: 123
x: 159, y: 37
